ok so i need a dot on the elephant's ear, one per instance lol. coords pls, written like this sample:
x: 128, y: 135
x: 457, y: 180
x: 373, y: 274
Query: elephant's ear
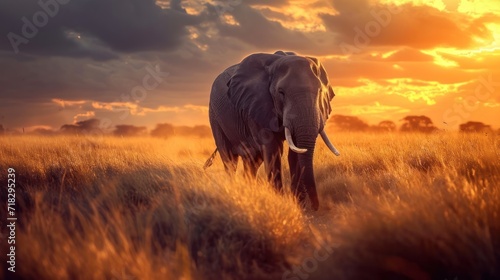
x: 328, y: 93
x: 249, y: 91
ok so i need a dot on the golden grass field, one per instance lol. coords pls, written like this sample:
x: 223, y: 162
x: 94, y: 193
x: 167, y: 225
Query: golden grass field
x: 392, y: 206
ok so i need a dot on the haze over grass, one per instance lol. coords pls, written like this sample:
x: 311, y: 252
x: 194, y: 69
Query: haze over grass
x: 406, y: 206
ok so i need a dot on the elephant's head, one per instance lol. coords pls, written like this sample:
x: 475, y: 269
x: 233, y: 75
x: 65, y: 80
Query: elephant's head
x: 289, y: 94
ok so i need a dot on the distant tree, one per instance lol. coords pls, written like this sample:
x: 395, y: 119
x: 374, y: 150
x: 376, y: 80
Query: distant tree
x: 202, y: 131
x: 199, y: 131
x: 90, y: 126
x: 12, y: 131
x: 417, y: 124
x: 470, y: 127
x: 183, y: 130
x: 2, y: 130
x: 129, y: 130
x: 163, y: 130
x: 348, y: 123
x: 166, y: 130
x: 43, y: 131
x: 387, y: 126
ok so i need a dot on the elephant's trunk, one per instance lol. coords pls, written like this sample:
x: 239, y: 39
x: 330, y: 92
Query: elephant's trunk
x: 304, y: 122
x: 306, y: 182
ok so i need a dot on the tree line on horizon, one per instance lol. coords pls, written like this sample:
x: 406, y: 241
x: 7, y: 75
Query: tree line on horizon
x: 93, y: 127
x: 412, y: 123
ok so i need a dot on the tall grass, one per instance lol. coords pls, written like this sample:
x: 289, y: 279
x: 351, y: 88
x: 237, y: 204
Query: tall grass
x: 397, y: 206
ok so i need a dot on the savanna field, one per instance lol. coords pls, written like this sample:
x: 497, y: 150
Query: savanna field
x: 392, y: 206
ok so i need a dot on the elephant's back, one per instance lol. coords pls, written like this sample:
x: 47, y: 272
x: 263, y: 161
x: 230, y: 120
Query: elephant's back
x: 218, y: 95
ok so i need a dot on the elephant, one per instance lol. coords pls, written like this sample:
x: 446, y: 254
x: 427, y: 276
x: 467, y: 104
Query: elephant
x: 263, y: 101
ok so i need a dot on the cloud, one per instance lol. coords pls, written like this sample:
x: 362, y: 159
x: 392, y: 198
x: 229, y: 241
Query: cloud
x: 87, y: 114
x: 301, y: 16
x: 489, y: 58
x: 68, y: 103
x: 137, y: 110
x: 271, y: 34
x: 93, y: 27
x: 134, y: 109
x: 409, y: 54
x: 203, y: 109
x: 422, y: 27
x: 374, y: 109
x: 405, y: 64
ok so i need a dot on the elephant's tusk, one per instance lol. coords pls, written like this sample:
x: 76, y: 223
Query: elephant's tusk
x: 328, y: 143
x: 294, y: 148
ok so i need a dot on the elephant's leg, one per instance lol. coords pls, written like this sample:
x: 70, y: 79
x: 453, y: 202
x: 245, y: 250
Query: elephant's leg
x: 252, y: 160
x: 224, y: 146
x: 272, y: 163
x: 251, y: 165
x: 295, y: 172
x: 230, y: 162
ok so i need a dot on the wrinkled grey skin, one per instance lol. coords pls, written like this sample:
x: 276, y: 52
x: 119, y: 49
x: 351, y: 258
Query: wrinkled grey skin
x: 251, y: 103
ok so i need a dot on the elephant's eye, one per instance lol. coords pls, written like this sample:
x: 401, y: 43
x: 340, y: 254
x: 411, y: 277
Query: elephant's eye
x: 281, y: 91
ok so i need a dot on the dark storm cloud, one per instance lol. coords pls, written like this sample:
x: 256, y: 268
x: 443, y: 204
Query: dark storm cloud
x: 133, y: 25
x: 258, y: 31
x: 42, y: 78
x: 52, y: 27
x: 176, y: 6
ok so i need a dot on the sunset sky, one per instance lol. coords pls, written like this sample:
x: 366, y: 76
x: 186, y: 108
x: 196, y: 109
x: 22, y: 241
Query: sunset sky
x: 109, y: 59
